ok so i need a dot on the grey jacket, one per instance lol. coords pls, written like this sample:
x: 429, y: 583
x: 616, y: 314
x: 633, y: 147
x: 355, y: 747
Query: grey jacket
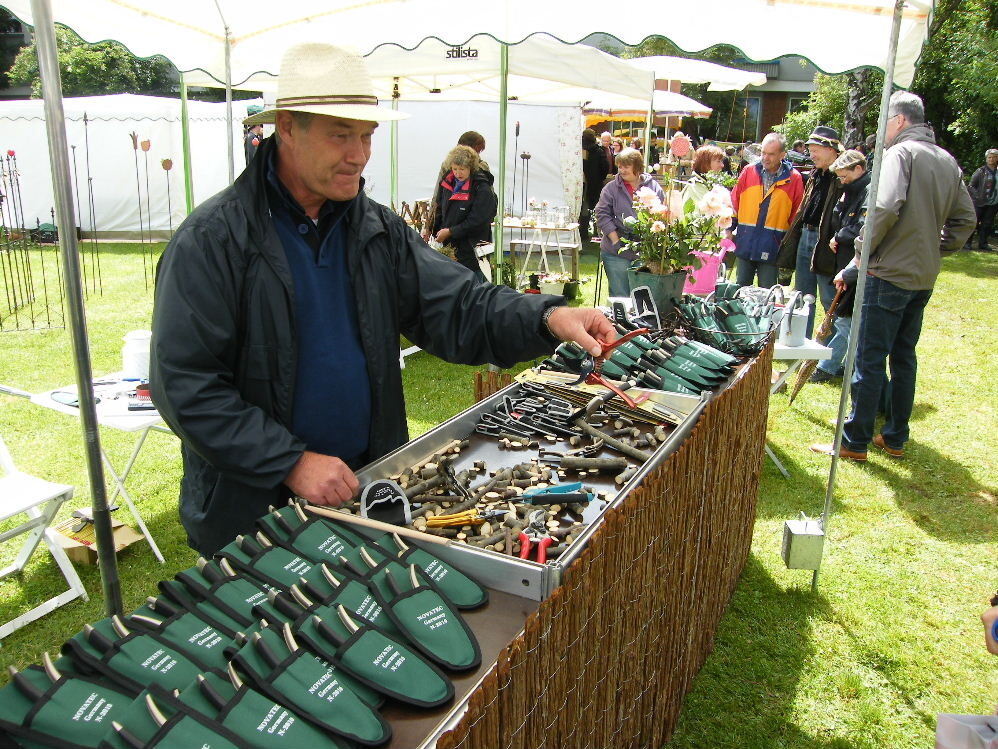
x: 923, y: 210
x: 615, y: 204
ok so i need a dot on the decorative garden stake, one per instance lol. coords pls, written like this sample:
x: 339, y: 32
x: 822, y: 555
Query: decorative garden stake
x: 138, y: 194
x: 167, y: 165
x: 145, y: 146
x: 91, y: 204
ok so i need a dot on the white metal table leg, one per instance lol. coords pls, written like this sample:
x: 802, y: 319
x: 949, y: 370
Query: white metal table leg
x: 776, y: 461
x: 119, y: 480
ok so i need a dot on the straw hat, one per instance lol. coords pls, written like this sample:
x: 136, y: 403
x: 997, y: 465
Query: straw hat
x: 323, y: 79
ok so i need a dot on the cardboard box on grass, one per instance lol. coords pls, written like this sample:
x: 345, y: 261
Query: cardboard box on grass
x: 80, y: 543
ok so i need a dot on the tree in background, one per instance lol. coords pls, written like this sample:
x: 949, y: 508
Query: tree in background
x: 91, y: 69
x: 729, y: 120
x: 849, y: 103
x: 958, y: 78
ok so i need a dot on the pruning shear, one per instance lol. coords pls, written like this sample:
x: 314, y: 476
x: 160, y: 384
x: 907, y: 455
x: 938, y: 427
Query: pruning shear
x: 591, y: 369
x: 468, y: 517
x: 557, y: 494
x: 535, y: 533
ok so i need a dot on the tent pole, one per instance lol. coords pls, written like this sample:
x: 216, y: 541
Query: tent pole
x: 394, y: 149
x: 185, y: 137
x: 648, y: 124
x: 228, y: 95
x: 497, y: 231
x: 864, y: 262
x: 55, y: 126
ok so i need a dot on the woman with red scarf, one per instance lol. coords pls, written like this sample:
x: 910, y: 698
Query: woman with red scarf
x: 465, y: 207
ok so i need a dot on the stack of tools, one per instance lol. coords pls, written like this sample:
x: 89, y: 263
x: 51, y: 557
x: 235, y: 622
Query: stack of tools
x: 673, y: 365
x: 734, y: 326
x: 294, y: 637
x: 552, y: 496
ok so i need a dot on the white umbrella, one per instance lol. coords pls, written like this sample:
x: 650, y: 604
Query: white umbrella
x: 664, y: 104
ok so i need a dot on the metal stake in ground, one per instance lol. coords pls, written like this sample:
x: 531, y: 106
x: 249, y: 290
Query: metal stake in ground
x: 167, y: 165
x: 95, y: 255
x: 79, y: 212
x: 145, y: 146
x: 138, y: 194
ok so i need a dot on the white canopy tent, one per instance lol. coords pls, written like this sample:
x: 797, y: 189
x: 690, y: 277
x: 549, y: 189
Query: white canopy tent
x: 250, y: 34
x: 105, y: 139
x: 540, y: 70
x: 195, y: 34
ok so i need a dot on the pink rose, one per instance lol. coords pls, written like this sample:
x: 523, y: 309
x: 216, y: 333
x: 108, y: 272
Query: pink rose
x: 724, y: 222
x: 658, y: 227
x: 646, y: 197
x: 715, y: 202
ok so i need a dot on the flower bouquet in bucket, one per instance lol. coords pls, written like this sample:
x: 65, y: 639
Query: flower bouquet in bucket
x: 668, y: 236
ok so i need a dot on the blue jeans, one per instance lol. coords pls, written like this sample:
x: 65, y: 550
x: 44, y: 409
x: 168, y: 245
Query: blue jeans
x: 616, y: 274
x: 804, y: 279
x: 746, y: 270
x: 890, y: 328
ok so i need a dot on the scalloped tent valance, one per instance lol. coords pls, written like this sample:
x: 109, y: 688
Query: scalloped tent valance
x: 193, y: 34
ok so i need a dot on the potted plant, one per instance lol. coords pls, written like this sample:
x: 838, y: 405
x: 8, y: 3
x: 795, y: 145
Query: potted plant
x: 665, y: 236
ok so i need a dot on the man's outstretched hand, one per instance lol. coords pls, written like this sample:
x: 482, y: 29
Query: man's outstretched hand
x: 322, y: 479
x: 586, y: 326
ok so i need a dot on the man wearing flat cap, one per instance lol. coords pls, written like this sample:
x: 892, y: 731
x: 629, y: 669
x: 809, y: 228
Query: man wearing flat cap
x: 280, y: 302
x: 805, y: 247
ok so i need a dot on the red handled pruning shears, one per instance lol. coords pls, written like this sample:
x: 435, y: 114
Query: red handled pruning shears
x: 592, y: 369
x: 535, y: 533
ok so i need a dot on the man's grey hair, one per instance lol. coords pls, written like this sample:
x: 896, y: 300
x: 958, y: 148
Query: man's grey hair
x: 991, y: 151
x: 908, y: 104
x: 779, y: 138
x: 302, y: 120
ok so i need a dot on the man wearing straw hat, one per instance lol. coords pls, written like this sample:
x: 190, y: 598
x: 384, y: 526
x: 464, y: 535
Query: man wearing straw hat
x: 280, y: 302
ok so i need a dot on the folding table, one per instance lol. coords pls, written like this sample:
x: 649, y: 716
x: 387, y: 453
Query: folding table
x: 795, y: 356
x: 112, y: 411
x: 544, y: 238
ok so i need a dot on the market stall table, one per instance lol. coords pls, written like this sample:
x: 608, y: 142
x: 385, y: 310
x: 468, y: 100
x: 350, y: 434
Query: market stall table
x: 543, y: 238
x: 795, y: 356
x: 113, y: 411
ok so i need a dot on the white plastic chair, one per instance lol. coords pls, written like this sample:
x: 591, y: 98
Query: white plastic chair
x: 39, y: 500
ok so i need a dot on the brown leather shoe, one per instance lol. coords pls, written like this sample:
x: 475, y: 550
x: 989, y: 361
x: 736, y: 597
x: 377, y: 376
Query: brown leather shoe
x: 844, y: 452
x: 891, y: 451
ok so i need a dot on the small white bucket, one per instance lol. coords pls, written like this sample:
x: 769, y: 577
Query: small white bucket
x: 135, y: 355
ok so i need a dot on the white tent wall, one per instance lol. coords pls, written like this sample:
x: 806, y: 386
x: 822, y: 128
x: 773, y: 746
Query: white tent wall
x: 434, y: 127
x: 112, y: 164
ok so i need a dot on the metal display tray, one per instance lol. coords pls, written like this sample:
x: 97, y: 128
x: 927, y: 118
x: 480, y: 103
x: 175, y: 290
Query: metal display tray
x: 519, y: 577
x: 516, y: 586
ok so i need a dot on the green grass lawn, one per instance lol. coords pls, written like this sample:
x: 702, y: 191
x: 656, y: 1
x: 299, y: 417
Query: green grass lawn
x: 891, y: 638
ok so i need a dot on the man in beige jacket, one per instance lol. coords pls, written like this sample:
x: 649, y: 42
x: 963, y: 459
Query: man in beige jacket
x: 923, y: 210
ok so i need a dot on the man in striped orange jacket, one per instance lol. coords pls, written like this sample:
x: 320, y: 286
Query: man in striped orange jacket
x: 766, y: 199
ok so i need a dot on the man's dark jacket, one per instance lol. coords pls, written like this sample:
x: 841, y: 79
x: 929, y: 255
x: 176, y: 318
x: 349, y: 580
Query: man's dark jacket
x: 823, y: 259
x: 223, y: 350
x: 594, y: 171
